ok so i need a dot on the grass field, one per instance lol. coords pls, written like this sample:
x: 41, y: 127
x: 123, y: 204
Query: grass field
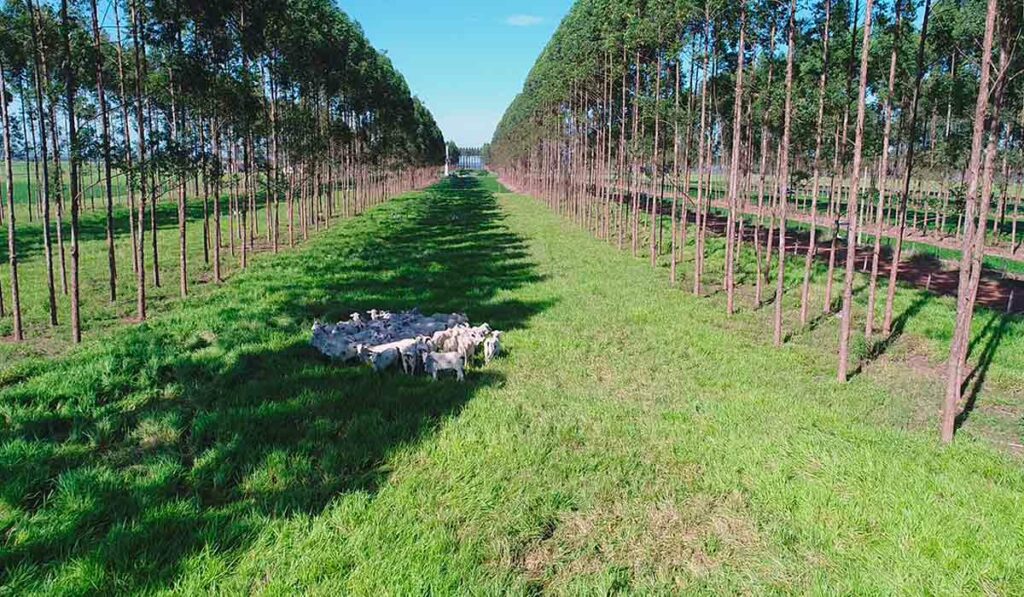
x: 634, y: 439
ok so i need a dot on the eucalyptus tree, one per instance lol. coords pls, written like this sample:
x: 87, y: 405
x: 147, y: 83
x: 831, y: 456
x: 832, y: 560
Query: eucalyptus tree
x: 272, y: 100
x: 812, y: 245
x: 35, y: 23
x: 108, y: 186
x: 9, y: 55
x: 992, y: 84
x: 784, y: 171
x: 591, y: 128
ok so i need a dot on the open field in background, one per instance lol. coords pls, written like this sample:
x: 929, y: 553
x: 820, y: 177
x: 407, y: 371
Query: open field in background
x: 633, y: 439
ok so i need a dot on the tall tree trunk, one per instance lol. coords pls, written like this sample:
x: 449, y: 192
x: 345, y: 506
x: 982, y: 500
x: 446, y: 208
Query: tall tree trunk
x: 217, y: 228
x: 105, y: 141
x: 734, y: 171
x: 675, y: 176
x: 58, y: 178
x: 763, y: 173
x: 973, y: 238
x: 698, y: 261
x: 635, y: 185
x: 653, y: 198
x: 140, y: 113
x: 73, y: 159
x: 883, y: 175
x: 12, y: 247
x: 37, y: 52
x: 127, y: 130
x: 812, y: 244
x: 897, y: 254
x: 182, y: 198
x: 780, y: 284
x: 853, y: 201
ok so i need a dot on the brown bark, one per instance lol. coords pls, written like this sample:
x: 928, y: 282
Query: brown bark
x: 37, y: 52
x: 140, y: 98
x: 182, y: 199
x: 218, y: 229
x: 734, y: 172
x: 883, y: 175
x: 812, y: 245
x: 73, y: 159
x: 698, y: 262
x: 972, y: 250
x: 653, y: 198
x: 762, y: 175
x: 105, y: 140
x: 780, y: 284
x: 675, y: 178
x: 12, y: 248
x: 853, y: 202
x: 126, y: 125
x: 905, y: 195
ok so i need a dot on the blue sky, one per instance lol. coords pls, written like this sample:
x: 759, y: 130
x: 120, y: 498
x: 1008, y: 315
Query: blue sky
x: 465, y: 59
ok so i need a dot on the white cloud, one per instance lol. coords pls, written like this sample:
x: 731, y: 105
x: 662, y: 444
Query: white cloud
x: 524, y: 20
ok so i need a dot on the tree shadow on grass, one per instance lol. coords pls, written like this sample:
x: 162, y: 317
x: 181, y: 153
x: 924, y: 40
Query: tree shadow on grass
x: 186, y: 435
x: 878, y: 348
x: 992, y: 335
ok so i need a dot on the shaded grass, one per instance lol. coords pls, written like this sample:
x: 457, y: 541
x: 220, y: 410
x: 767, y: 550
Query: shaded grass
x: 132, y: 456
x: 633, y: 440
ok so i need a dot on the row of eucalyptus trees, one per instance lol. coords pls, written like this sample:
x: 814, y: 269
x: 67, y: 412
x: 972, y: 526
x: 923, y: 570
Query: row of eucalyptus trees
x: 798, y: 131
x: 278, y: 116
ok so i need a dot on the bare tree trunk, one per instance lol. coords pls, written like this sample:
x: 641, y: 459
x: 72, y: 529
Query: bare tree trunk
x: 698, y: 261
x: 812, y: 245
x: 38, y: 51
x: 762, y: 175
x: 73, y: 159
x: 897, y: 254
x: 675, y: 177
x: 126, y: 125
x: 217, y: 228
x: 653, y: 199
x: 973, y: 238
x: 58, y: 181
x: 853, y: 202
x: 636, y: 169
x: 182, y: 237
x: 140, y: 306
x: 204, y: 172
x: 734, y: 172
x: 12, y: 247
x: 883, y: 175
x: 780, y: 285
x: 105, y: 140
x: 622, y: 156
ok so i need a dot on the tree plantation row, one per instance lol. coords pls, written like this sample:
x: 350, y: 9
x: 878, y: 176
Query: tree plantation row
x: 260, y: 121
x: 859, y: 120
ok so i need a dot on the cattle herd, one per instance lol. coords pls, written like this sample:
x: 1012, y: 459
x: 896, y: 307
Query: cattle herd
x: 418, y: 343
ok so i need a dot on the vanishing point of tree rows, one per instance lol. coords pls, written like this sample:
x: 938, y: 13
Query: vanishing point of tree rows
x: 855, y: 122
x: 274, y: 111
